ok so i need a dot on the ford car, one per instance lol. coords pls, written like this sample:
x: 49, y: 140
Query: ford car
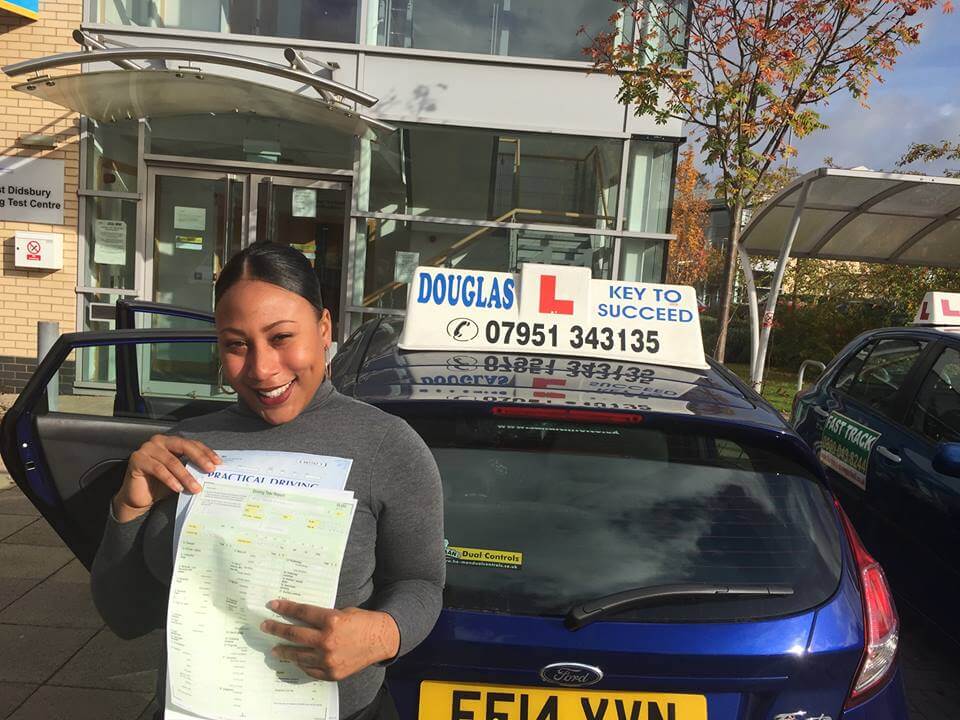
x: 631, y: 533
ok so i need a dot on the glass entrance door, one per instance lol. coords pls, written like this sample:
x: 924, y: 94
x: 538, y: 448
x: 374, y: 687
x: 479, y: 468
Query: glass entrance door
x: 194, y: 224
x: 198, y: 219
x: 310, y: 215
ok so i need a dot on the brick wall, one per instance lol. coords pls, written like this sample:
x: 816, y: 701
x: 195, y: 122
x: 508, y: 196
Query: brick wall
x: 15, y: 371
x: 27, y: 296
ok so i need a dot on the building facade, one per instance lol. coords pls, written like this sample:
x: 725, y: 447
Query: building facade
x: 475, y: 138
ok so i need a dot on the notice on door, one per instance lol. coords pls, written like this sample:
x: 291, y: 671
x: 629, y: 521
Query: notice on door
x: 31, y: 190
x: 110, y: 242
x: 189, y: 218
x: 189, y: 242
x: 304, y: 201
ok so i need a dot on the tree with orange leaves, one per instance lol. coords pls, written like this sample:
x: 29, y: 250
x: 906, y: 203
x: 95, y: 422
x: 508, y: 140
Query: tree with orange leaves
x: 747, y: 77
x: 690, y: 255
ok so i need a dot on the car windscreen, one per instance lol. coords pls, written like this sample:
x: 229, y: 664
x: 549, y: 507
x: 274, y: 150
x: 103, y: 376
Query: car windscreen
x: 542, y: 514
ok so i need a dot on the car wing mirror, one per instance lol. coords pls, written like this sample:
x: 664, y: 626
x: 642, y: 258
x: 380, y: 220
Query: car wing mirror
x: 947, y: 459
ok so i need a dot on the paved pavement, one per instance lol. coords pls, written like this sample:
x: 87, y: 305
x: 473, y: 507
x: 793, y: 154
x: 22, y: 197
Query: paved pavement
x: 59, y: 662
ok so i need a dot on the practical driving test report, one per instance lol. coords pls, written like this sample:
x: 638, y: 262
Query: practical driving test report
x: 263, y: 527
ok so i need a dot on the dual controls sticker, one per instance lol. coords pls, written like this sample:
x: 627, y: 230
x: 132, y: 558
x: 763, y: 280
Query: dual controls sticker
x: 482, y: 557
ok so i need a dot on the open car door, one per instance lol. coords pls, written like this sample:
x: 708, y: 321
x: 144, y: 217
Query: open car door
x: 95, y: 398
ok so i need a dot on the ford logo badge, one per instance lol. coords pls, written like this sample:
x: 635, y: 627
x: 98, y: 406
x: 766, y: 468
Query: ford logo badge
x: 571, y: 674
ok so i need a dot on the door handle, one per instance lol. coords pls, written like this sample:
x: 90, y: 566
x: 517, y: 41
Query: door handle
x: 888, y: 454
x: 820, y: 411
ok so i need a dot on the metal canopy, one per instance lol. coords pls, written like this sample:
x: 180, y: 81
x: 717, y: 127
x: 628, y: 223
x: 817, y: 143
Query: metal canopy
x: 865, y: 216
x: 135, y: 92
x: 113, y: 95
x: 857, y: 215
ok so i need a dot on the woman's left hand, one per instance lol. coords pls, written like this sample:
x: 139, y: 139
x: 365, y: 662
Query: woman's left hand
x: 336, y: 643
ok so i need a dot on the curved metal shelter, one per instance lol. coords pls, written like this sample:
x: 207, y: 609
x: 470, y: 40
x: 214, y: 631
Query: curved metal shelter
x: 136, y: 92
x: 854, y: 215
x: 862, y: 215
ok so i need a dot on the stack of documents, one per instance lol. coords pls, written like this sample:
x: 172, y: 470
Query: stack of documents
x: 266, y: 525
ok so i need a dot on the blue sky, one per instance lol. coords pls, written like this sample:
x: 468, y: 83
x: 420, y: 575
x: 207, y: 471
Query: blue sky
x: 918, y: 102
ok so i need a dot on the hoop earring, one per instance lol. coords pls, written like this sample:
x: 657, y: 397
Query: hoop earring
x: 225, y: 389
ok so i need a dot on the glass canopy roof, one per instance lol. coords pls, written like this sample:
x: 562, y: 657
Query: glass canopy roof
x: 863, y: 215
x: 112, y: 95
x: 136, y: 92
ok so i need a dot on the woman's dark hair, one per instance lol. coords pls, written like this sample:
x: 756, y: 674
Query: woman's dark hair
x: 279, y: 265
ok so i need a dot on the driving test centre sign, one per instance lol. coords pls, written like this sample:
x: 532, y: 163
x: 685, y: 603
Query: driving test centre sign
x: 551, y: 309
x: 31, y: 190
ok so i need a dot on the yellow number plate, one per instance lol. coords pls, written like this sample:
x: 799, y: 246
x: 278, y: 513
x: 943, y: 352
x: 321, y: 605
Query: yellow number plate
x: 465, y: 701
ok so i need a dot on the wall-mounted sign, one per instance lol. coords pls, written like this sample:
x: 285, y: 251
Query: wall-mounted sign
x: 189, y: 218
x: 404, y: 264
x: 25, y: 8
x: 110, y: 242
x: 38, y: 251
x: 31, y: 190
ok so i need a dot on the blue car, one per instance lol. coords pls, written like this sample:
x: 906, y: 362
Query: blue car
x: 624, y: 541
x: 885, y: 421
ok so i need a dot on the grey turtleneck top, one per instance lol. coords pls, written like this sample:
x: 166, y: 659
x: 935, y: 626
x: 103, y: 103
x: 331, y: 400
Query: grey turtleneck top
x: 394, y: 561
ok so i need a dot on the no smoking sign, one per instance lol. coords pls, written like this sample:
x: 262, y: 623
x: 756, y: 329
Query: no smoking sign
x: 40, y: 251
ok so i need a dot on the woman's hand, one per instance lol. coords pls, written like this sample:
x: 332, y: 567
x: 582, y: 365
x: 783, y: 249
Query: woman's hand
x: 337, y: 643
x: 155, y: 471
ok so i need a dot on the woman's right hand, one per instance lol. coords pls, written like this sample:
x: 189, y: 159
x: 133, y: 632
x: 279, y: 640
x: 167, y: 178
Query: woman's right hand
x: 155, y: 472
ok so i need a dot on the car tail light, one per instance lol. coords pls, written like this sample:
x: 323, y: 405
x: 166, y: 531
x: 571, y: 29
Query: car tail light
x: 881, y: 624
x: 588, y: 416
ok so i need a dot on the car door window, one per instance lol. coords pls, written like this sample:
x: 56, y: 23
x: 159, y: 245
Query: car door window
x: 848, y: 372
x: 935, y: 412
x: 883, y: 372
x: 173, y: 380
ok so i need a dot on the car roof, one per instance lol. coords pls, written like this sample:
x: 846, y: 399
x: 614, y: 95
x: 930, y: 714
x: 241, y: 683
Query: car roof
x: 936, y: 331
x: 383, y: 373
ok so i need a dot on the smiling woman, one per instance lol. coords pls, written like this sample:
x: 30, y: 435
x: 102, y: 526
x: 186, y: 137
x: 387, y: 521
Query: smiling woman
x: 274, y: 334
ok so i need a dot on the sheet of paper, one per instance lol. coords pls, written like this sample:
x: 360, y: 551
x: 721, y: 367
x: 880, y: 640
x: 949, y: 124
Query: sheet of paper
x: 110, y: 242
x: 248, y: 537
x: 313, y: 472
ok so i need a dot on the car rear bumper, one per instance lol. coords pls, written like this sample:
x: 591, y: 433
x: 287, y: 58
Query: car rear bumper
x: 888, y: 704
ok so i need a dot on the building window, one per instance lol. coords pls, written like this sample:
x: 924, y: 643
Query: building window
x: 112, y: 156
x: 111, y: 232
x: 334, y: 20
x: 503, y: 177
x: 251, y: 138
x: 649, y: 178
x: 388, y: 250
x: 519, y: 28
x: 641, y: 260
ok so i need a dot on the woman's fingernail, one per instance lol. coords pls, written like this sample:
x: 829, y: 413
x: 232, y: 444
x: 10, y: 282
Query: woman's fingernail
x: 272, y: 605
x: 263, y: 626
x: 274, y: 652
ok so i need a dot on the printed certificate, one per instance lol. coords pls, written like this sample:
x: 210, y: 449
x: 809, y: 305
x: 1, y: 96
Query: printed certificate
x: 250, y: 536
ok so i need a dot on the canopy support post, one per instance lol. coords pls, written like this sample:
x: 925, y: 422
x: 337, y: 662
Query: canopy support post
x: 753, y: 305
x: 756, y: 374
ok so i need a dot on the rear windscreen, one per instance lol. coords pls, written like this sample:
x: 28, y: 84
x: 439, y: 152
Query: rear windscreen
x: 541, y: 514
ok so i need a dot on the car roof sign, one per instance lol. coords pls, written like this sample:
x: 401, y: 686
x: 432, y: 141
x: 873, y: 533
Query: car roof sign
x: 553, y: 310
x: 939, y: 308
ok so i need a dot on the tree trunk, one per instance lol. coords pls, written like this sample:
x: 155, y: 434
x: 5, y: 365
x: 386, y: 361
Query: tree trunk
x: 729, y: 273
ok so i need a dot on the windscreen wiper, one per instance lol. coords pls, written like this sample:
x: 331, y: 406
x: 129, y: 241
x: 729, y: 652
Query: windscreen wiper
x: 584, y: 613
